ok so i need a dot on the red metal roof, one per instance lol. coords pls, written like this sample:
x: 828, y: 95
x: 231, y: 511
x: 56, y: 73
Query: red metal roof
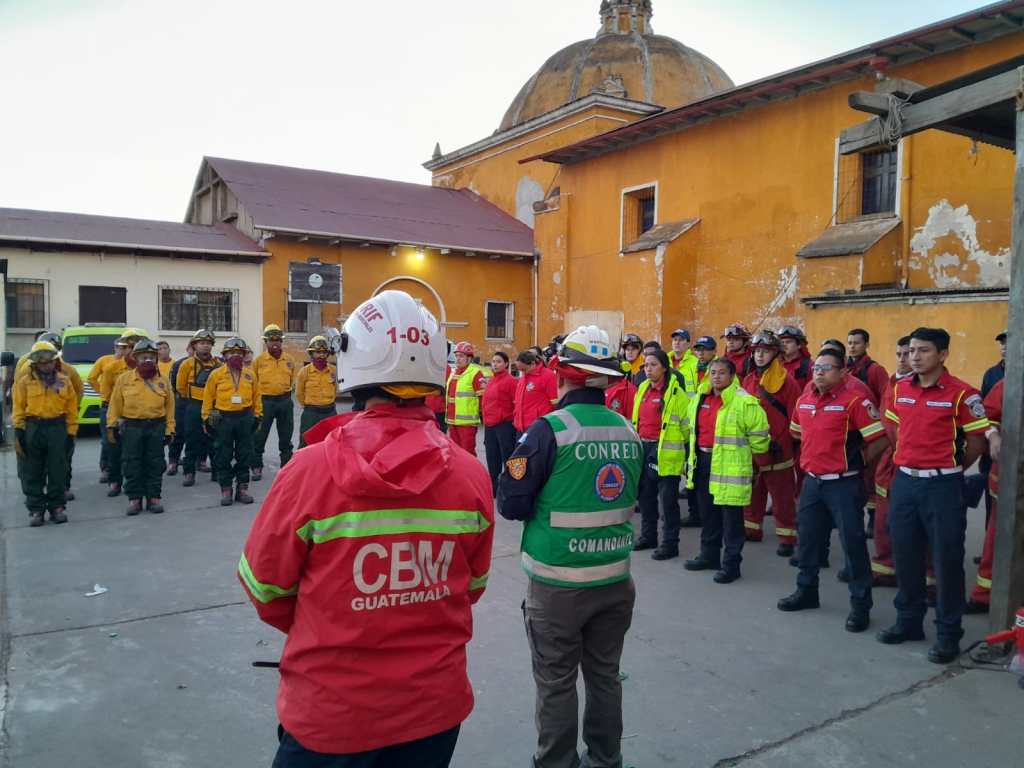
x: 78, y: 231
x: 360, y: 208
x: 966, y: 29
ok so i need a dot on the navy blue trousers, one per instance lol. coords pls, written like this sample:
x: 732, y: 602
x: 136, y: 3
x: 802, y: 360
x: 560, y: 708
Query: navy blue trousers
x: 430, y: 752
x: 929, y: 512
x: 825, y: 504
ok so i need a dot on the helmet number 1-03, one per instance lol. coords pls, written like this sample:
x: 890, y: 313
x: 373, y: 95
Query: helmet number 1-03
x: 412, y: 334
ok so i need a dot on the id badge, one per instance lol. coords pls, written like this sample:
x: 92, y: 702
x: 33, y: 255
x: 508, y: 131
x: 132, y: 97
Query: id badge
x: 236, y: 399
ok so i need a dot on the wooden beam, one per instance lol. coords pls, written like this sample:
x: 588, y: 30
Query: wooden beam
x: 1008, y: 568
x: 933, y: 112
x: 866, y: 101
x: 921, y: 46
x: 962, y: 34
x: 1010, y: 21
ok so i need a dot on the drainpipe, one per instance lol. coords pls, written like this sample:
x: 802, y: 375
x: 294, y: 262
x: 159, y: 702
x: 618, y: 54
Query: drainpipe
x: 536, y: 295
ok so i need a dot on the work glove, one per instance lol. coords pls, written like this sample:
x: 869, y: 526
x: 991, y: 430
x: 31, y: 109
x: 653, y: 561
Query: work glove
x: 257, y: 424
x: 168, y: 439
x: 112, y: 435
x: 19, y: 442
x: 208, y: 428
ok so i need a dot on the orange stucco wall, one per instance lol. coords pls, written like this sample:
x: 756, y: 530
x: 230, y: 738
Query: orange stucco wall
x: 495, y: 172
x: 761, y: 183
x: 464, y: 284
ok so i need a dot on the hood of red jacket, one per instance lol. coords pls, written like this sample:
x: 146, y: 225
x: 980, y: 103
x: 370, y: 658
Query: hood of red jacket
x: 387, y: 451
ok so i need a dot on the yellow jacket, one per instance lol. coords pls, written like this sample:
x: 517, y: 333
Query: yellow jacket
x: 276, y: 376
x: 315, y: 387
x: 24, y: 367
x: 33, y: 399
x: 97, y: 370
x: 135, y: 398
x: 111, y: 372
x: 220, y: 389
x: 187, y: 374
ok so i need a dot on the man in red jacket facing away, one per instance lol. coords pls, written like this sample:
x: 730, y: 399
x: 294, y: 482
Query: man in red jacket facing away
x: 368, y: 553
x: 536, y: 391
x: 778, y: 393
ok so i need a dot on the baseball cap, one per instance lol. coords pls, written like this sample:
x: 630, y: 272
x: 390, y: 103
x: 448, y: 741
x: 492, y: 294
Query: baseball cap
x: 707, y: 342
x: 681, y: 333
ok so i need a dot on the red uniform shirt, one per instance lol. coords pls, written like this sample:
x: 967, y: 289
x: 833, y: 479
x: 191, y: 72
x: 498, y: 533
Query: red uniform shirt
x: 499, y: 399
x: 649, y: 419
x: 870, y: 373
x: 885, y: 468
x: 932, y: 420
x: 824, y: 424
x: 453, y: 382
x: 367, y: 553
x: 800, y: 367
x: 994, y: 410
x: 619, y: 397
x: 707, y: 417
x: 536, y: 391
x: 786, y: 395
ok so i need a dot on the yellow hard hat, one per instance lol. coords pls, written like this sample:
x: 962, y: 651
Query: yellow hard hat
x: 42, y: 352
x: 273, y: 331
x: 318, y: 344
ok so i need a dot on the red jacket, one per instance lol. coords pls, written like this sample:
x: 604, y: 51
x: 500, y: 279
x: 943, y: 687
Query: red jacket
x: 871, y: 373
x: 535, y: 392
x: 800, y: 367
x: 499, y: 399
x: 436, y: 403
x: 368, y: 552
x: 740, y: 360
x: 619, y: 397
x: 777, y: 383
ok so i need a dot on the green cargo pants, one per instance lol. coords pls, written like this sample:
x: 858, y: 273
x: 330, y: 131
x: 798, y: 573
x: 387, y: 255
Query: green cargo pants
x: 277, y: 408
x: 44, y: 470
x: 235, y: 432
x: 311, y: 416
x: 142, y: 451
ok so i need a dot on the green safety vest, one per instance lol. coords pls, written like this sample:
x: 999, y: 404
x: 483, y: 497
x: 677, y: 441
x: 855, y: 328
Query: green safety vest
x: 467, y: 401
x: 741, y: 430
x: 581, y: 533
x: 675, y: 425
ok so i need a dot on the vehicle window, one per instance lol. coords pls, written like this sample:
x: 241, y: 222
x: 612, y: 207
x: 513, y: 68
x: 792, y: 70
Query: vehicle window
x: 86, y: 348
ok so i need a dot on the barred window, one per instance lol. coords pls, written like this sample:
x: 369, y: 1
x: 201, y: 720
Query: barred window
x: 188, y: 309
x: 639, y: 212
x: 500, y: 320
x: 297, y: 317
x: 26, y: 302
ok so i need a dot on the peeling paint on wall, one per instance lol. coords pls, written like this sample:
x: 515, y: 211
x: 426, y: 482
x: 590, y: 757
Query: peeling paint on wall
x: 948, y: 269
x: 556, y: 277
x: 528, y: 192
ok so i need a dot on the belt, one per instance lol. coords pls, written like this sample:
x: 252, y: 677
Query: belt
x: 702, y: 449
x: 40, y: 420
x: 144, y: 422
x: 321, y: 408
x: 282, y: 396
x: 235, y: 414
x: 834, y: 475
x: 931, y: 472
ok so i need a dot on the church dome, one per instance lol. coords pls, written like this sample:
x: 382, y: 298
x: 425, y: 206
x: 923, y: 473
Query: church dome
x: 625, y: 59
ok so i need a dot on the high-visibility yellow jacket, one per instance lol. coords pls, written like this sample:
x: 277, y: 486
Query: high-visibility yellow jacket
x: 275, y: 375
x: 222, y: 393
x: 24, y: 367
x: 675, y: 425
x: 741, y: 430
x: 687, y: 366
x: 136, y: 398
x: 313, y: 387
x: 191, y: 376
x: 34, y: 400
x: 467, y: 399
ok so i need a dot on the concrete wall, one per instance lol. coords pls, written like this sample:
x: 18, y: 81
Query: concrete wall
x: 141, y: 276
x: 463, y: 283
x: 761, y: 183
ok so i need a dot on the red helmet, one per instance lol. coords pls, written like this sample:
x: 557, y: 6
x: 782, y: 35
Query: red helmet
x: 736, y: 329
x: 465, y: 348
x: 765, y: 339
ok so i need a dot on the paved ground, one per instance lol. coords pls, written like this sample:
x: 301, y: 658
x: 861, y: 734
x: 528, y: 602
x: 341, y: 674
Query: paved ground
x: 156, y: 672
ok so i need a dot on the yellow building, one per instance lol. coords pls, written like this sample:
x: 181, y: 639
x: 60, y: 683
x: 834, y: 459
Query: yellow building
x: 335, y: 240
x: 734, y: 205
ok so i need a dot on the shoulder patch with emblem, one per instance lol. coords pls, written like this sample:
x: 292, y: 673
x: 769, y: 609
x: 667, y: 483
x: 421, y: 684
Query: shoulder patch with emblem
x: 870, y: 408
x: 516, y: 467
x: 976, y: 405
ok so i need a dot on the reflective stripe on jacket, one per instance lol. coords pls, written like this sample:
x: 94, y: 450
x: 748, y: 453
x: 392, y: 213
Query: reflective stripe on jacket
x: 467, y: 400
x: 741, y: 430
x: 675, y: 425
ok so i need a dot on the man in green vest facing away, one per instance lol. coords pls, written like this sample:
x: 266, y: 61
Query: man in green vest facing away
x: 573, y: 480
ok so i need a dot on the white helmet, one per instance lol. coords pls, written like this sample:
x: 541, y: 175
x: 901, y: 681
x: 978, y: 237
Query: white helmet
x: 588, y: 349
x: 390, y: 339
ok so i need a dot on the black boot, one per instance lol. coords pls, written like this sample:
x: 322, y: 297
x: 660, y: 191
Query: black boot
x: 944, y: 651
x: 701, y: 563
x: 897, y: 634
x: 665, y: 552
x: 644, y: 543
x: 858, y: 620
x: 785, y: 549
x: 801, y: 600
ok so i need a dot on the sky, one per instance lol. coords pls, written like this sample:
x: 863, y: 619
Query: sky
x: 107, y: 106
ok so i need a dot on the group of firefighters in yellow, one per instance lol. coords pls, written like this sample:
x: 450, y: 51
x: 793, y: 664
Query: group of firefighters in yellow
x: 223, y: 407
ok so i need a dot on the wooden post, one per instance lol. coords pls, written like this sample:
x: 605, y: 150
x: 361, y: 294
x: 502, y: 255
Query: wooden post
x: 1008, y: 568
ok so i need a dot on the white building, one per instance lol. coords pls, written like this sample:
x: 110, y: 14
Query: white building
x: 169, y: 278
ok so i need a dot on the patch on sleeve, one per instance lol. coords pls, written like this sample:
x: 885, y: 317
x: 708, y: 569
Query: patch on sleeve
x: 871, y: 409
x: 516, y: 467
x: 976, y: 405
